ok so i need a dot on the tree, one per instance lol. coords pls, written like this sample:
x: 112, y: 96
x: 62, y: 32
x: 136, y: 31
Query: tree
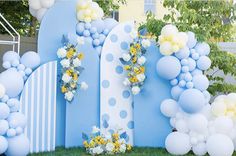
x: 17, y: 13
x: 212, y: 21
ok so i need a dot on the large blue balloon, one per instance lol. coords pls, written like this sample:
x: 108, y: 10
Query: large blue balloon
x: 3, y: 144
x: 200, y: 82
x: 11, y: 56
x: 192, y: 100
x: 110, y: 23
x: 204, y: 63
x: 202, y: 48
x: 18, y: 146
x: 168, y: 67
x: 183, y: 53
x: 30, y: 59
x: 99, y: 24
x: 12, y: 81
x: 176, y: 92
x: 191, y: 40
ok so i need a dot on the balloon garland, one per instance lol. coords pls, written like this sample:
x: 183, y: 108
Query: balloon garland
x: 200, y: 126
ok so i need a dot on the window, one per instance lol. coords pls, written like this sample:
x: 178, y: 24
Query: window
x: 150, y: 6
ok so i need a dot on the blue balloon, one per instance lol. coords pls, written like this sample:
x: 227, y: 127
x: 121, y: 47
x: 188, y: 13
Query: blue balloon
x: 10, y: 56
x: 185, y: 69
x: 191, y: 64
x: 168, y: 67
x: 17, y: 119
x: 3, y: 144
x: 28, y: 71
x: 6, y: 65
x: 89, y: 40
x: 182, y: 83
x: 30, y: 59
x: 196, y: 72
x: 86, y: 33
x: 174, y: 82
x: 191, y: 40
x: 105, y: 32
x: 99, y: 24
x: 195, y: 56
x: 4, y: 99
x: 207, y: 96
x: 96, y: 42
x: 204, y: 63
x: 188, y: 77
x: 12, y: 81
x: 189, y: 85
x: 202, y: 48
x: 102, y: 38
x: 183, y: 53
x: 176, y: 92
x: 95, y: 36
x: 93, y: 30
x: 11, y: 132
x: 20, y: 67
x: 87, y: 25
x: 22, y: 73
x: 4, y: 111
x: 4, y: 126
x: 18, y: 146
x: 80, y: 28
x: 184, y: 62
x: 99, y: 49
x: 191, y: 101
x: 110, y: 23
x: 200, y: 82
x: 181, y: 76
x: 19, y: 130
x: 15, y: 63
x: 14, y: 104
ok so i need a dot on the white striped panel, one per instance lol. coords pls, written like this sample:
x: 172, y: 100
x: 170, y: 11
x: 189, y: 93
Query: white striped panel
x: 38, y: 103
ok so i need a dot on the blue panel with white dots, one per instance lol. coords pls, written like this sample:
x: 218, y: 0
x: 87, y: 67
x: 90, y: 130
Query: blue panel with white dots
x: 116, y: 101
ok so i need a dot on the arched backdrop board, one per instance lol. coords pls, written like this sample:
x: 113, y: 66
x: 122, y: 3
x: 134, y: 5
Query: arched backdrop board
x: 150, y: 126
x: 59, y: 20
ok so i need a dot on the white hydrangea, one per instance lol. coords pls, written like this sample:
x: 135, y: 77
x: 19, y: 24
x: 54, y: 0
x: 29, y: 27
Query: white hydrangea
x: 126, y: 57
x: 97, y: 150
x: 84, y: 86
x: 95, y: 130
x: 76, y: 62
x: 61, y: 53
x: 122, y: 148
x: 126, y: 82
x: 146, y: 43
x: 135, y: 90
x: 69, y: 96
x: 65, y: 63
x: 141, y: 77
x: 109, y: 147
x: 66, y: 78
x: 141, y: 60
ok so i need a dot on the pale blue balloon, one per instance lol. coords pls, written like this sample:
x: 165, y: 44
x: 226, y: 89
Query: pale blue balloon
x: 95, y: 36
x: 110, y: 23
x: 168, y: 67
x: 80, y: 28
x: 184, y: 62
x: 191, y: 101
x: 96, y: 42
x: 196, y: 72
x: 4, y: 98
x: 207, y: 95
x: 174, y: 82
x: 181, y: 76
x: 191, y: 64
x: 18, y: 146
x: 188, y: 77
x: 102, y: 38
x: 93, y: 30
x: 12, y: 81
x: 204, y: 63
x: 4, y: 111
x: 183, y: 53
x: 15, y: 63
x: 87, y: 26
x: 182, y: 83
x: 30, y: 59
x: 195, y: 56
x: 191, y: 40
x: 3, y: 144
x: 10, y: 56
x: 21, y: 67
x: 105, y: 32
x: 11, y: 132
x: 99, y: 49
x: 12, y: 102
x: 99, y: 24
x: 6, y: 65
x: 19, y: 130
x: 200, y: 82
x: 176, y: 92
x: 17, y: 119
x: 185, y: 69
x: 4, y: 126
x: 86, y: 33
x: 202, y: 48
x: 28, y: 71
x: 189, y: 85
x: 22, y: 73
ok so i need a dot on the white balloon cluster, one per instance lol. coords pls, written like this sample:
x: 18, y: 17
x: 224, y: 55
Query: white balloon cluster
x: 212, y: 130
x: 87, y: 10
x: 38, y: 8
x: 171, y: 40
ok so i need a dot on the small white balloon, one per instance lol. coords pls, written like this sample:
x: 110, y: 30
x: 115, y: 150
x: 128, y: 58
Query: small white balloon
x: 35, y: 4
x: 40, y: 14
x: 181, y: 126
x: 169, y: 107
x: 200, y: 149
x: 169, y: 30
x: 198, y: 123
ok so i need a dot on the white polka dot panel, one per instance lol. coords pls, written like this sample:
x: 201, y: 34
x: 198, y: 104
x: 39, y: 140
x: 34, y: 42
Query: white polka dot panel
x: 116, y: 100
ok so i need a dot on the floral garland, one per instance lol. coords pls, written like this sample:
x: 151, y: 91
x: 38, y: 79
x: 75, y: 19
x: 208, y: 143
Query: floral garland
x: 106, y: 143
x: 71, y: 70
x: 134, y: 63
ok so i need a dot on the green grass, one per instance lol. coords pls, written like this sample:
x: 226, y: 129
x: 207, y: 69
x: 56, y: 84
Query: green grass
x: 81, y: 152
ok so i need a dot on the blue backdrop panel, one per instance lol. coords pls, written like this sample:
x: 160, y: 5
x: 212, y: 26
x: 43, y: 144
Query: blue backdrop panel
x: 38, y: 103
x: 150, y: 126
x: 59, y: 20
x: 83, y: 112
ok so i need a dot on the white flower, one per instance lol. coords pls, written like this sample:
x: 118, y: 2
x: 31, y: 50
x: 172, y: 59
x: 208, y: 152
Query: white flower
x: 61, y: 53
x: 146, y: 43
x: 126, y: 57
x: 107, y: 136
x: 66, y: 78
x: 65, y: 63
x: 141, y: 77
x: 84, y: 86
x: 76, y: 62
x: 141, y: 60
x: 135, y: 90
x: 97, y: 150
x: 122, y: 148
x: 95, y: 130
x: 134, y: 33
x: 80, y: 40
x: 126, y: 82
x: 109, y: 147
x: 69, y: 96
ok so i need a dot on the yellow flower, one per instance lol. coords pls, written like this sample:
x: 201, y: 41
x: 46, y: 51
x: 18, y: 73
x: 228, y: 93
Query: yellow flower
x: 63, y: 89
x: 138, y: 46
x: 133, y: 79
x: 142, y: 69
x: 85, y: 143
x: 127, y: 67
x: 134, y: 60
x: 80, y: 56
x: 70, y: 53
x: 68, y: 72
x: 75, y: 77
x: 133, y: 51
x: 91, y: 144
x: 128, y: 147
x: 73, y: 85
x: 115, y: 136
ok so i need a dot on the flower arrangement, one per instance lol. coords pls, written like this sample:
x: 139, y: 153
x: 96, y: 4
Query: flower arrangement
x: 71, y: 70
x: 134, y: 62
x: 108, y: 143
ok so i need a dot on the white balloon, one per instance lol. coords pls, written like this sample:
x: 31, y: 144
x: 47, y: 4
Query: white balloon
x: 178, y: 143
x: 165, y: 48
x: 2, y: 90
x: 169, y: 107
x: 218, y: 108
x: 173, y: 122
x: 40, y: 14
x: 33, y: 12
x: 232, y: 97
x: 200, y: 149
x: 169, y: 30
x: 219, y: 145
x: 183, y: 36
x: 232, y: 133
x: 223, y: 124
x: 47, y: 3
x: 34, y: 4
x: 181, y: 126
x: 193, y: 140
x: 198, y: 123
x: 206, y: 111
